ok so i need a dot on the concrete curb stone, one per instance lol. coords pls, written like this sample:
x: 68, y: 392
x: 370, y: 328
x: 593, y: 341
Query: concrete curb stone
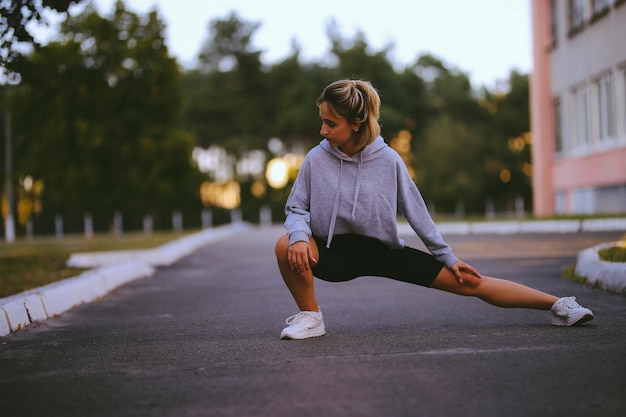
x: 45, y: 302
x: 164, y: 255
x: 610, y: 276
x: 5, y: 328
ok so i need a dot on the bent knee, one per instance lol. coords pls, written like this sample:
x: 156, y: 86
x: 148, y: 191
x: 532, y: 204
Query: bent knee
x: 282, y: 244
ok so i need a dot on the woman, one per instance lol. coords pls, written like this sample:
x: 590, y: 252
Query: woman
x: 341, y: 221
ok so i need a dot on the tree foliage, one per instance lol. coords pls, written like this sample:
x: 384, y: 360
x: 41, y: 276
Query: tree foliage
x: 97, y: 118
x: 15, y: 16
x: 106, y: 118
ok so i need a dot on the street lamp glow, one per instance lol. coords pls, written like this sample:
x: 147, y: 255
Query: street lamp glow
x: 277, y: 173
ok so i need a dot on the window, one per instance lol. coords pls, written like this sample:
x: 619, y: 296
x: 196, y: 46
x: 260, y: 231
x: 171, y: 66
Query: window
x: 606, y: 108
x: 600, y: 6
x: 558, y: 128
x: 554, y: 29
x: 576, y: 15
x: 560, y: 202
x: 581, y: 124
x: 624, y: 102
x: 583, y: 201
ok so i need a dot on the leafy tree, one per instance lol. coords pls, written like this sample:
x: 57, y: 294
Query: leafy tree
x: 294, y: 87
x: 508, y: 166
x: 449, y: 89
x: 98, y: 118
x: 449, y: 165
x: 227, y: 93
x: 15, y: 16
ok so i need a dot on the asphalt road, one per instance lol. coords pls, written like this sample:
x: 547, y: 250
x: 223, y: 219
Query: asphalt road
x: 201, y: 338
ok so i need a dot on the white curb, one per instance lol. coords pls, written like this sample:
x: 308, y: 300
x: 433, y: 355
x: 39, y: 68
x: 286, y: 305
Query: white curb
x: 22, y: 309
x: 602, y: 225
x: 5, y: 329
x: 500, y: 228
x: 15, y: 314
x: 61, y: 296
x: 164, y: 255
x: 523, y: 226
x: 550, y: 226
x: 453, y: 228
x: 607, y: 275
x: 114, y: 276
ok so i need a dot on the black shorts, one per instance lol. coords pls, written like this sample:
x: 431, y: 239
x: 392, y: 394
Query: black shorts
x: 351, y: 256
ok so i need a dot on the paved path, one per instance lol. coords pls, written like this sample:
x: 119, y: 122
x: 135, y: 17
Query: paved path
x: 200, y: 338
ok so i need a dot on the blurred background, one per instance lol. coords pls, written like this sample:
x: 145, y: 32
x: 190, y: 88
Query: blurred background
x: 107, y: 129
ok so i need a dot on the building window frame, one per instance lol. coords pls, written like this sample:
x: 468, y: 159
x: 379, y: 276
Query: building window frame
x: 599, y: 9
x: 581, y: 135
x: 557, y: 112
x: 575, y: 16
x: 554, y: 22
x: 606, y: 109
x: 621, y: 100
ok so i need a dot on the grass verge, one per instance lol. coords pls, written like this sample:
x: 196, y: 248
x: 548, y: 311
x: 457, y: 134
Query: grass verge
x: 27, y: 264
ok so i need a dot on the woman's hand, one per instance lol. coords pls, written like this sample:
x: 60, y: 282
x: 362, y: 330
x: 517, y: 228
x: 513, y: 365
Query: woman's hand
x: 460, y: 266
x: 300, y: 257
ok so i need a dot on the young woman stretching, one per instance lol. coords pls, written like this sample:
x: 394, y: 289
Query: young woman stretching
x: 341, y: 221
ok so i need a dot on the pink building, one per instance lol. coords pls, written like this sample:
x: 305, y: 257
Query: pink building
x: 578, y: 106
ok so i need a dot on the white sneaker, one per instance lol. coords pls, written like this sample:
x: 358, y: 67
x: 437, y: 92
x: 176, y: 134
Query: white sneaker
x: 567, y: 312
x: 303, y: 325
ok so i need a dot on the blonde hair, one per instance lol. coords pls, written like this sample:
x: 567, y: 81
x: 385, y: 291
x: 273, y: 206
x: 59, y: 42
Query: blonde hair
x: 358, y: 102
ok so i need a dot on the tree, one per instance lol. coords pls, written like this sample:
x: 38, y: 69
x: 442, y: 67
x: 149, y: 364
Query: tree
x: 226, y: 95
x: 508, y: 167
x: 15, y: 16
x: 98, y: 115
x: 294, y: 87
x: 449, y: 167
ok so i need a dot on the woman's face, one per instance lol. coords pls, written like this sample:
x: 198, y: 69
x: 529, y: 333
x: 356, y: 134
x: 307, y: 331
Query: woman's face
x: 336, y: 129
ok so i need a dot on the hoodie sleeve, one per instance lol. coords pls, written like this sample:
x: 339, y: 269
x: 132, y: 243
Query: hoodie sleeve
x: 298, y: 217
x: 413, y: 208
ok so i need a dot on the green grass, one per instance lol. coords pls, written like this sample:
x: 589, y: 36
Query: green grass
x: 613, y: 254
x: 616, y: 253
x: 570, y: 273
x: 27, y: 264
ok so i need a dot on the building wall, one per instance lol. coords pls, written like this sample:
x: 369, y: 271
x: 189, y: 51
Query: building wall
x: 578, y: 113
x: 541, y: 120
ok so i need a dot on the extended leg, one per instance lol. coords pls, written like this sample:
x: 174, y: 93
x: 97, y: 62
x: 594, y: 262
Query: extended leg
x: 495, y: 291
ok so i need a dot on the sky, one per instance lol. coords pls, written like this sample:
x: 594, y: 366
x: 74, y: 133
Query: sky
x: 485, y: 39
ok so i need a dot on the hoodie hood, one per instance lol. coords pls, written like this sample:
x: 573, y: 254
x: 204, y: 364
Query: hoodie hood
x: 367, y: 152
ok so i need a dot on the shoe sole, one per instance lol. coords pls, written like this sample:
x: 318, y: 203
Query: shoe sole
x: 562, y: 321
x: 304, y: 335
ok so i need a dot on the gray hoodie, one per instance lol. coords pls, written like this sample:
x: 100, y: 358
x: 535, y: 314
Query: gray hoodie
x: 337, y: 194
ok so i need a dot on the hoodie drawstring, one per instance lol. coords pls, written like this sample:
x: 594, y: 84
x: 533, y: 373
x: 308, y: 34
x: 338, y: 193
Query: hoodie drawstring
x: 333, y: 217
x: 357, y: 188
